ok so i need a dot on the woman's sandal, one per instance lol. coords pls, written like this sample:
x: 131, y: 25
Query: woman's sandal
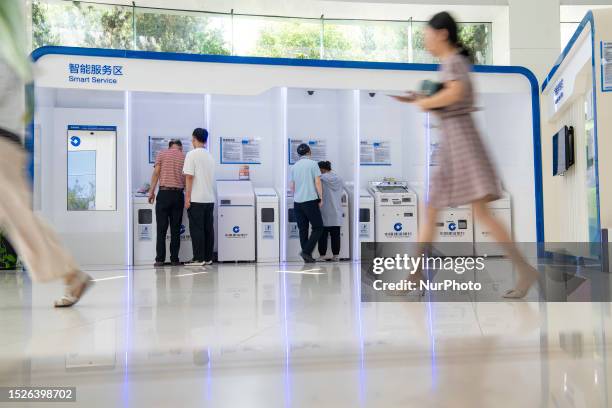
x: 75, y: 291
x: 521, y: 293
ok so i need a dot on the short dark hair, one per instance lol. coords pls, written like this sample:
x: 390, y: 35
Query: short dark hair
x: 303, y: 149
x: 325, y: 165
x: 175, y: 142
x: 200, y: 134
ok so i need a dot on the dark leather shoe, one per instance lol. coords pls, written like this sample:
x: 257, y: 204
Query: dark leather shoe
x: 307, y: 258
x: 158, y: 264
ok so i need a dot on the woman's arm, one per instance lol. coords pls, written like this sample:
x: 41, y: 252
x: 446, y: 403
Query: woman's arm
x: 452, y: 92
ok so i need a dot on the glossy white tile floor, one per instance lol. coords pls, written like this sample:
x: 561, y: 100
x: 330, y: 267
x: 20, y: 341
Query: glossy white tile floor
x: 251, y: 336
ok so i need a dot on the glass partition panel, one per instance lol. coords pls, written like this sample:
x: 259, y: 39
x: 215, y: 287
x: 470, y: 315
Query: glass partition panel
x: 277, y: 37
x: 81, y: 24
x: 180, y: 31
x: 366, y: 40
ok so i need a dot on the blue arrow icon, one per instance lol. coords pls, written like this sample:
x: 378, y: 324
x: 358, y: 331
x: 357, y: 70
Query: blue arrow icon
x: 398, y: 226
x: 452, y: 226
x: 75, y: 141
x: 236, y: 229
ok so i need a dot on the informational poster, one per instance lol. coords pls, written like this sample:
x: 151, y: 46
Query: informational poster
x: 606, y: 66
x: 267, y: 231
x: 318, y: 149
x: 375, y: 153
x: 236, y: 150
x: 157, y: 144
x: 145, y: 233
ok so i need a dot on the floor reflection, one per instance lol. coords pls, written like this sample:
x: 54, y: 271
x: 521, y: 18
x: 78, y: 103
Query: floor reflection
x: 266, y: 335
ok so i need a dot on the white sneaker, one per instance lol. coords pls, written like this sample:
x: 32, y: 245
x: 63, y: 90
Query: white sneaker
x: 321, y: 259
x: 208, y: 262
x: 195, y: 263
x: 335, y: 258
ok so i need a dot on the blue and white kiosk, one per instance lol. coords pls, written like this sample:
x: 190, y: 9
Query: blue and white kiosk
x: 576, y: 120
x: 256, y: 109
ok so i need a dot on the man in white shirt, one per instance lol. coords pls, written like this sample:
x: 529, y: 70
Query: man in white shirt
x: 199, y: 170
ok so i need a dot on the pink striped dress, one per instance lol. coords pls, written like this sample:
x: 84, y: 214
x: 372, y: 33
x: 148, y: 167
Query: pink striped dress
x: 464, y: 172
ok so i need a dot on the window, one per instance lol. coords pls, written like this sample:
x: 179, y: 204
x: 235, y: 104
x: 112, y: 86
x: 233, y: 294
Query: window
x: 366, y: 41
x: 475, y: 36
x: 83, y: 24
x: 80, y: 24
x: 277, y: 37
x: 170, y: 31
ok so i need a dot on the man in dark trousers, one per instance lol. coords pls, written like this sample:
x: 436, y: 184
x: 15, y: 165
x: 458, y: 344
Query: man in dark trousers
x: 305, y: 183
x: 200, y: 198
x: 170, y: 200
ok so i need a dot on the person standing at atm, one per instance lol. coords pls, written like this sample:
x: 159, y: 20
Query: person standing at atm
x: 170, y: 200
x: 199, y: 170
x: 331, y: 211
x: 305, y: 184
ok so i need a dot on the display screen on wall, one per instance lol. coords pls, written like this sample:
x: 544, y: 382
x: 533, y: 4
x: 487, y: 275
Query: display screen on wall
x: 318, y: 149
x: 91, y: 168
x: 375, y: 153
x: 157, y: 144
x: 236, y: 150
x: 81, y: 180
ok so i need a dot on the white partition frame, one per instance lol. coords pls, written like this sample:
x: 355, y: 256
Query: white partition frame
x: 249, y: 76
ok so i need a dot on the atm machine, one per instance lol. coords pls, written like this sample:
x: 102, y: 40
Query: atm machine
x: 395, y: 206
x: 454, y: 230
x: 366, y: 216
x: 293, y: 234
x: 267, y: 216
x: 145, y: 234
x: 365, y: 227
x: 484, y: 243
x: 236, y: 221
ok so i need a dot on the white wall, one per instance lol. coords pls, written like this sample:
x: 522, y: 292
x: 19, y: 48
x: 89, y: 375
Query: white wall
x: 167, y: 115
x: 534, y: 34
x: 404, y: 126
x: 326, y: 115
x: 249, y: 116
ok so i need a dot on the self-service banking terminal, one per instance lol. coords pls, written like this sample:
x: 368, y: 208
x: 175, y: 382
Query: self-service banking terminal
x: 395, y: 207
x: 236, y: 221
x: 268, y: 240
x: 145, y: 234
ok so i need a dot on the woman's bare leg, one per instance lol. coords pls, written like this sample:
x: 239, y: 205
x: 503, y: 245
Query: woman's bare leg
x: 527, y: 274
x: 425, y: 237
x: 427, y: 231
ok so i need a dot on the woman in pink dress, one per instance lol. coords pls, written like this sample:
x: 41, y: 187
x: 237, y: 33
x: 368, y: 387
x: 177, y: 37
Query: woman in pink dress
x: 465, y: 174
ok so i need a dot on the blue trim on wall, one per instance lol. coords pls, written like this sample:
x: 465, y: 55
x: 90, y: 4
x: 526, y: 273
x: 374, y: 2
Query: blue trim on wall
x: 595, y: 127
x: 29, y: 136
x: 602, y: 68
x: 92, y: 127
x: 588, y: 18
x: 230, y: 59
x: 167, y: 56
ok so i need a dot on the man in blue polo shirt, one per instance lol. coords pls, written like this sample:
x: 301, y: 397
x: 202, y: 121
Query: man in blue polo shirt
x: 305, y: 183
